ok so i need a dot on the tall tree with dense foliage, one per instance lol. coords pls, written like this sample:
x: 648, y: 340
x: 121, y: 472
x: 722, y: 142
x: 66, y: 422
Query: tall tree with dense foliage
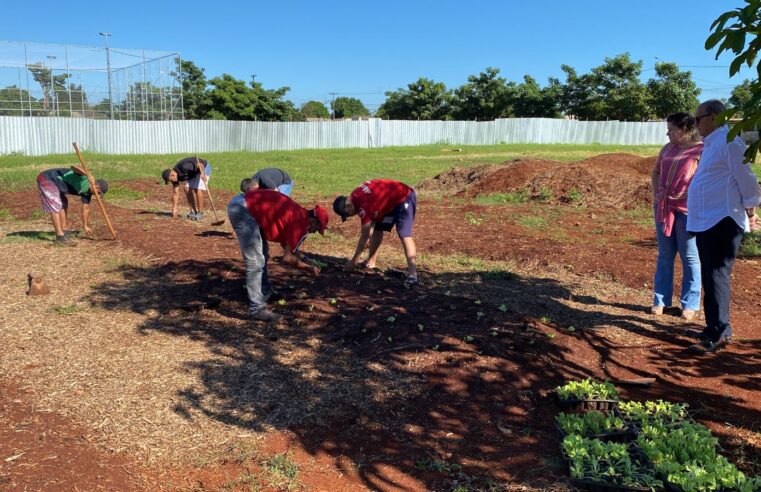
x: 423, y: 99
x: 233, y: 99
x: 529, y: 100
x: 314, y: 109
x: 672, y: 90
x: 348, y: 107
x: 485, y: 96
x: 741, y: 98
x: 194, y: 84
x: 612, y: 91
x: 737, y: 31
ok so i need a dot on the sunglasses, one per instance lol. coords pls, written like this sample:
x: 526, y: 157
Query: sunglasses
x: 698, y: 117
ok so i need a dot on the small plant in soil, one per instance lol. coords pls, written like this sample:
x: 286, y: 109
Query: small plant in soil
x: 391, y: 319
x: 473, y: 219
x: 281, y: 472
x: 281, y: 302
x: 587, y: 389
x: 420, y: 327
x: 333, y: 301
x: 503, y: 308
x: 589, y: 424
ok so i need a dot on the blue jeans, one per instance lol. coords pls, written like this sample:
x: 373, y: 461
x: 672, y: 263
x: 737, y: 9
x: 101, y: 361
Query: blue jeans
x: 685, y: 244
x: 285, y: 189
x: 255, y: 252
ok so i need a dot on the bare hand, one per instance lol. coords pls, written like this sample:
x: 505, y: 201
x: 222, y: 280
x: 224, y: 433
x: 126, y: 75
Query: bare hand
x: 314, y: 270
x: 350, y: 266
x: 752, y: 222
x: 88, y: 231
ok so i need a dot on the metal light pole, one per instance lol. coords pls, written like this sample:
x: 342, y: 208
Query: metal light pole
x: 108, y: 68
x: 52, y: 85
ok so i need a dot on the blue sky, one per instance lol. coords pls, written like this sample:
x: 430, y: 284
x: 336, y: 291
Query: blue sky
x: 361, y: 48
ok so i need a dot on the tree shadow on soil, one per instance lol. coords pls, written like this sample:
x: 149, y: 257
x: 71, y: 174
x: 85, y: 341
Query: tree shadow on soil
x: 368, y: 370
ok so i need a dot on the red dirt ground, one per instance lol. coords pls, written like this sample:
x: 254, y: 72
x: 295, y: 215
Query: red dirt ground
x: 487, y: 404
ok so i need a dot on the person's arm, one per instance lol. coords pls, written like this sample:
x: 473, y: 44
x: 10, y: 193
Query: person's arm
x: 746, y: 180
x: 364, y: 235
x: 86, y: 218
x: 202, y: 170
x: 294, y: 260
x: 175, y: 200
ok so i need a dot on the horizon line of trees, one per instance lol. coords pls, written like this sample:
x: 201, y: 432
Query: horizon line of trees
x: 612, y: 91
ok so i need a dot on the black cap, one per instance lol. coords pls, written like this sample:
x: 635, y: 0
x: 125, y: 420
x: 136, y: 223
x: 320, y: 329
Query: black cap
x: 102, y: 185
x: 165, y: 175
x: 339, y: 207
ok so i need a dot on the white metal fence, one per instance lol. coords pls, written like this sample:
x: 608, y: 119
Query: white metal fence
x: 49, y: 135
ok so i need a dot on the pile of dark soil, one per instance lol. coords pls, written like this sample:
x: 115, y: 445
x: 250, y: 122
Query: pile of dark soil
x: 608, y: 180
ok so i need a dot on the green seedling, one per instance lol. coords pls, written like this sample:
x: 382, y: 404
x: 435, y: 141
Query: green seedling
x: 480, y: 314
x: 391, y: 319
x: 477, y: 301
x: 435, y: 347
x: 343, y: 316
x: 370, y: 308
x: 587, y: 389
x: 468, y: 338
x: 281, y: 302
x: 390, y: 339
x: 550, y: 335
x: 503, y: 308
x: 333, y: 301
x: 494, y: 333
x: 420, y: 327
x: 310, y: 308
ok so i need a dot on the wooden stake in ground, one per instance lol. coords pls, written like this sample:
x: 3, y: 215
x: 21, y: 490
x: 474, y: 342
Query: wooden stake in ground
x: 95, y: 191
x: 216, y: 222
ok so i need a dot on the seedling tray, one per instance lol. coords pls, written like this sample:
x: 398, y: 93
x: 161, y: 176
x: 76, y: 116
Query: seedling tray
x: 582, y: 406
x: 593, y: 486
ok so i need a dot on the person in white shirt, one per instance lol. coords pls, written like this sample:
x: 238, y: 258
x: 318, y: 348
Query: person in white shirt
x: 721, y: 203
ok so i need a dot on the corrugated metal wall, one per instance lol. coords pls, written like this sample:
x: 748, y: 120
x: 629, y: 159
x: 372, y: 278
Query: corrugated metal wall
x: 42, y: 135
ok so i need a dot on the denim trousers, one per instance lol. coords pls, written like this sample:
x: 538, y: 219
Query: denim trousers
x: 682, y: 242
x: 255, y: 252
x: 718, y: 247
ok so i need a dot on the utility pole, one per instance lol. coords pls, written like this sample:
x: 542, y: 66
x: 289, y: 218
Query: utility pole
x: 108, y: 69
x: 333, y: 105
x: 52, y: 85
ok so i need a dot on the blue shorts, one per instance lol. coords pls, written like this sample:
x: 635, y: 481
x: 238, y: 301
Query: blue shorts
x: 402, y: 216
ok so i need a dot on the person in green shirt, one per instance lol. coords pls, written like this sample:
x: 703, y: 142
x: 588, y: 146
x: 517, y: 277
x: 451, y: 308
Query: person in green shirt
x: 54, y: 185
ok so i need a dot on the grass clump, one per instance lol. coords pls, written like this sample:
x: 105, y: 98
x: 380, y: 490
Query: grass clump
x: 511, y: 198
x: 281, y: 472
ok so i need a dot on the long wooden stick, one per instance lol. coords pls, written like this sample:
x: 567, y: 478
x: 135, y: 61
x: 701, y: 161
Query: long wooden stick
x: 208, y: 193
x: 95, y: 191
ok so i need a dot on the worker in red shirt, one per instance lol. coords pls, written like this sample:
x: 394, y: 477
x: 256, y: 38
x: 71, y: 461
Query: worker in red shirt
x: 381, y: 204
x: 258, y: 216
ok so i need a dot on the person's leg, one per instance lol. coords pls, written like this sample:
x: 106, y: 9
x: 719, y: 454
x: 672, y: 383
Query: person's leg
x: 55, y: 217
x: 710, y: 307
x: 663, y: 285
x: 727, y: 239
x: 267, y: 289
x: 375, y: 241
x: 251, y: 248
x: 189, y: 193
x: 199, y: 200
x: 405, y: 220
x: 688, y: 252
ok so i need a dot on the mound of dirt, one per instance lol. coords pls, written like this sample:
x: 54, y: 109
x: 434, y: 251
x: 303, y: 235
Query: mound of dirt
x: 608, y: 180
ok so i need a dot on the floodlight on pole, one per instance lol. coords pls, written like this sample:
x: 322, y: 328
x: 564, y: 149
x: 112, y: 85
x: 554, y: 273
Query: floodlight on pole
x: 108, y: 68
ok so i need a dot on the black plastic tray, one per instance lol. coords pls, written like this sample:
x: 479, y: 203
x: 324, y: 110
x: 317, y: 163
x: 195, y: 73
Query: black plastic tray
x: 581, y: 406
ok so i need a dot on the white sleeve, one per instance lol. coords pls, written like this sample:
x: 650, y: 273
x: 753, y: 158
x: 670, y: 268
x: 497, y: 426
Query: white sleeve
x: 746, y: 180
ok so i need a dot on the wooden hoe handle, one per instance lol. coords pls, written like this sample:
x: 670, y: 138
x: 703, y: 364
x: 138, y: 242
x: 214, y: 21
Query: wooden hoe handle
x: 95, y: 191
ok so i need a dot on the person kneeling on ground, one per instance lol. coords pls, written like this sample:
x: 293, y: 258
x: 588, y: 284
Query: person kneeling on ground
x: 272, y: 178
x: 54, y: 185
x: 195, y: 173
x: 381, y: 204
x: 258, y: 216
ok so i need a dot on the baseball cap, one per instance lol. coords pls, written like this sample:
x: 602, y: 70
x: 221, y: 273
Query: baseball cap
x: 339, y: 207
x: 165, y: 174
x: 322, y: 217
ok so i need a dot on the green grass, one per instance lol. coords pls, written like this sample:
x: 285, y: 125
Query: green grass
x: 281, y: 472
x: 643, y: 216
x: 532, y: 222
x: 315, y: 172
x: 515, y: 197
x: 750, y: 247
x: 120, y: 194
x: 21, y: 236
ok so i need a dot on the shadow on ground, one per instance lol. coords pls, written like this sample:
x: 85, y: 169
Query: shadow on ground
x: 416, y: 379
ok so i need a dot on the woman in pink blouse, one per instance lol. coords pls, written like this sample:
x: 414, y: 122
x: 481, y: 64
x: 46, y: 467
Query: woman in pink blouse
x: 673, y: 171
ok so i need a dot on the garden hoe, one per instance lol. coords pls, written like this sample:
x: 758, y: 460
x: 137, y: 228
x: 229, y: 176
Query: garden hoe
x: 216, y: 222
x: 86, y: 172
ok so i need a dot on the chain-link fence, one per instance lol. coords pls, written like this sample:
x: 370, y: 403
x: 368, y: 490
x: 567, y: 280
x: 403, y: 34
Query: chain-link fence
x: 89, y: 82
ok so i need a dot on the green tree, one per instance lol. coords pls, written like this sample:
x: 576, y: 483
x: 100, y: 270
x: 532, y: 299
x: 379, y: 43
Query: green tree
x: 424, y: 99
x: 348, y: 107
x: 672, y: 90
x: 53, y: 87
x: 15, y: 101
x: 194, y: 84
x: 485, y: 96
x: 314, y: 109
x: 233, y: 99
x: 741, y: 97
x: 611, y: 91
x: 530, y: 100
x: 737, y: 31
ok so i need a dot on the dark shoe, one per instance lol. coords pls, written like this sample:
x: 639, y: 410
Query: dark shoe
x: 698, y: 335
x: 190, y: 215
x: 411, y: 281
x: 273, y: 296
x: 265, y: 315
x: 708, y: 346
x: 64, y: 241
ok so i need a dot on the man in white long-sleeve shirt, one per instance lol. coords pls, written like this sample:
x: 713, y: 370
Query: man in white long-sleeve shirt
x: 721, y: 205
